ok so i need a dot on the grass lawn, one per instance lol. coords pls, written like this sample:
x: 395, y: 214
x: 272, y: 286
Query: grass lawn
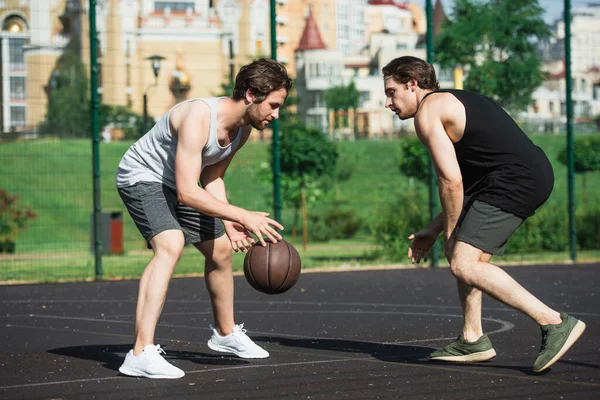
x: 54, y: 178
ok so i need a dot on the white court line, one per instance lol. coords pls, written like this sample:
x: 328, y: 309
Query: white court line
x: 272, y: 303
x: 339, y: 360
x: 504, y: 325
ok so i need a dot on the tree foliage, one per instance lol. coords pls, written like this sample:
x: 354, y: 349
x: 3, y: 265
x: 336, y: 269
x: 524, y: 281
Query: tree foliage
x: 414, y: 160
x: 308, y: 160
x: 495, y: 41
x: 307, y: 153
x: 68, y: 110
x: 586, y: 153
x: 341, y: 99
x: 586, y: 158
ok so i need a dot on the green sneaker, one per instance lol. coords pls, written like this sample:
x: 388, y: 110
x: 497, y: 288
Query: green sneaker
x: 556, y: 340
x: 462, y: 351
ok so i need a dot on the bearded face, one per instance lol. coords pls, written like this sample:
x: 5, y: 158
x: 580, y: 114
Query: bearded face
x: 258, y: 115
x: 255, y: 118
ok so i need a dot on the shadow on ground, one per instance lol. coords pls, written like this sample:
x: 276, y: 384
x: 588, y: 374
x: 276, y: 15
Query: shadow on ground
x: 112, y: 356
x: 400, y: 353
x: 382, y: 351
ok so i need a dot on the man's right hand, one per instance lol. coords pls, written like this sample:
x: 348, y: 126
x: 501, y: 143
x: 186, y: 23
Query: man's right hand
x: 422, y: 241
x: 259, y: 224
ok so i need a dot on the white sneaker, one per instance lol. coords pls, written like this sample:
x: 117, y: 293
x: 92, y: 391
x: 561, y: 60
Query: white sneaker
x: 150, y: 364
x: 237, y: 342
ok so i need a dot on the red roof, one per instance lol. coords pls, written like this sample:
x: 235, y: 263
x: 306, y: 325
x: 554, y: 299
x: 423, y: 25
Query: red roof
x: 438, y: 18
x: 311, y: 37
x: 403, y: 6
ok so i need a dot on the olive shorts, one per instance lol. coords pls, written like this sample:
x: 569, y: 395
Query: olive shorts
x: 487, y: 227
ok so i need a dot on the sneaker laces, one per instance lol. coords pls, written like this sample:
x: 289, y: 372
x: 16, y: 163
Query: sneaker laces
x: 157, y: 350
x: 239, y: 329
x: 545, y: 336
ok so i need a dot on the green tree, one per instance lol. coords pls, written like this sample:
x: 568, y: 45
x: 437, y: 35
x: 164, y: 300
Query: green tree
x: 340, y: 99
x: 586, y: 153
x: 308, y: 164
x: 68, y: 110
x: 414, y: 160
x: 124, y: 118
x: 495, y: 41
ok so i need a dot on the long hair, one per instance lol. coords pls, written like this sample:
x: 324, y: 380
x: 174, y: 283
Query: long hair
x: 405, y: 68
x: 261, y: 76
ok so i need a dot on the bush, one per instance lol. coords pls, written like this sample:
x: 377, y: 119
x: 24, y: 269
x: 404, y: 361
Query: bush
x: 395, y: 221
x: 13, y: 217
x: 122, y: 117
x: 588, y: 229
x: 414, y: 160
x: 334, y: 222
x: 547, y: 230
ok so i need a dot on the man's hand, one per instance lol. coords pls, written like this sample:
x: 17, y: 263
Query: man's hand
x: 422, y: 241
x: 258, y: 223
x: 240, y: 238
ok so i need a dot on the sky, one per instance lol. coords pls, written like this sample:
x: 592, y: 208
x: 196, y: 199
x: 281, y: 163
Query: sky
x: 554, y: 8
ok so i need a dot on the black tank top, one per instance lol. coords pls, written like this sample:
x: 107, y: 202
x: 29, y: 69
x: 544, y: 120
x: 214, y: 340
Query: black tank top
x: 499, y: 164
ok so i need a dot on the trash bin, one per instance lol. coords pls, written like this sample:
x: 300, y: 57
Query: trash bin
x: 111, y: 232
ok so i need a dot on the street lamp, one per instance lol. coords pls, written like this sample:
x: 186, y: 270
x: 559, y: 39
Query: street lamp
x: 155, y: 63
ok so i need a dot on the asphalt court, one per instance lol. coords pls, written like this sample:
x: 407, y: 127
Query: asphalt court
x: 346, y: 334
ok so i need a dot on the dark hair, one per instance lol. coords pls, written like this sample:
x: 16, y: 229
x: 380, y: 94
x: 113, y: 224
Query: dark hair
x: 403, y: 69
x: 261, y: 76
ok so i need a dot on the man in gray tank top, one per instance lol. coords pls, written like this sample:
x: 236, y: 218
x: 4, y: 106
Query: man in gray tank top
x: 157, y: 180
x: 491, y: 177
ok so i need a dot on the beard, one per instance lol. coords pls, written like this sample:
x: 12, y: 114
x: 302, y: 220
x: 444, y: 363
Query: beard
x: 254, y: 118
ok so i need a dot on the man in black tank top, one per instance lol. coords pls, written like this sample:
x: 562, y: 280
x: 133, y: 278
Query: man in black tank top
x: 491, y: 177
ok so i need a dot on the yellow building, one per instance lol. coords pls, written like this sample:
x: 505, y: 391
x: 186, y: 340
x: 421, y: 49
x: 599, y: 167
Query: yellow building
x: 195, y: 39
x: 201, y: 45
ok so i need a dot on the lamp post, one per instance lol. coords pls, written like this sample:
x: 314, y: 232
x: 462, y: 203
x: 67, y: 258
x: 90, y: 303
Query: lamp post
x: 155, y: 61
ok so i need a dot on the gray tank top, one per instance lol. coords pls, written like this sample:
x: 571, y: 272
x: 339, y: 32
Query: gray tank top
x: 152, y: 157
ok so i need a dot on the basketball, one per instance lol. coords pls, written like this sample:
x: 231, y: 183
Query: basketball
x: 273, y: 269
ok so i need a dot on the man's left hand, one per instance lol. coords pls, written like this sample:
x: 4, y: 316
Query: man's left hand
x: 240, y: 238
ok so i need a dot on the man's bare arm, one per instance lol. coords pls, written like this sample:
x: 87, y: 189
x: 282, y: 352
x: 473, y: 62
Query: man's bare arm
x: 441, y: 149
x: 192, y: 135
x: 212, y: 176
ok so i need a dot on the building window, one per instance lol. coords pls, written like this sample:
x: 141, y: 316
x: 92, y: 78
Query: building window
x: 15, y: 54
x: 17, y: 88
x: 364, y: 97
x: 174, y: 6
x: 17, y: 116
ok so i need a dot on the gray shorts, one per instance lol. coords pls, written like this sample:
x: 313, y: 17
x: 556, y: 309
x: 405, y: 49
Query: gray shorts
x: 154, y: 209
x: 487, y: 227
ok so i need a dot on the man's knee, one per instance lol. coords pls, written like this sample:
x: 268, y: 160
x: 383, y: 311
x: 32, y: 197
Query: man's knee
x: 217, y: 251
x: 464, y: 261
x: 169, y: 245
x: 460, y: 269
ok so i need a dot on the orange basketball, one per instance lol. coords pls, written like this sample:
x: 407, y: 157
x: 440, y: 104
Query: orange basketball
x: 273, y: 269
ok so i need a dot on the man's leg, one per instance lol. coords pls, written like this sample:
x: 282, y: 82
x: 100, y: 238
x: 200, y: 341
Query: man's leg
x: 467, y: 267
x: 218, y: 276
x: 471, y: 301
x: 559, y: 330
x: 168, y: 247
x: 145, y: 359
x: 472, y: 345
